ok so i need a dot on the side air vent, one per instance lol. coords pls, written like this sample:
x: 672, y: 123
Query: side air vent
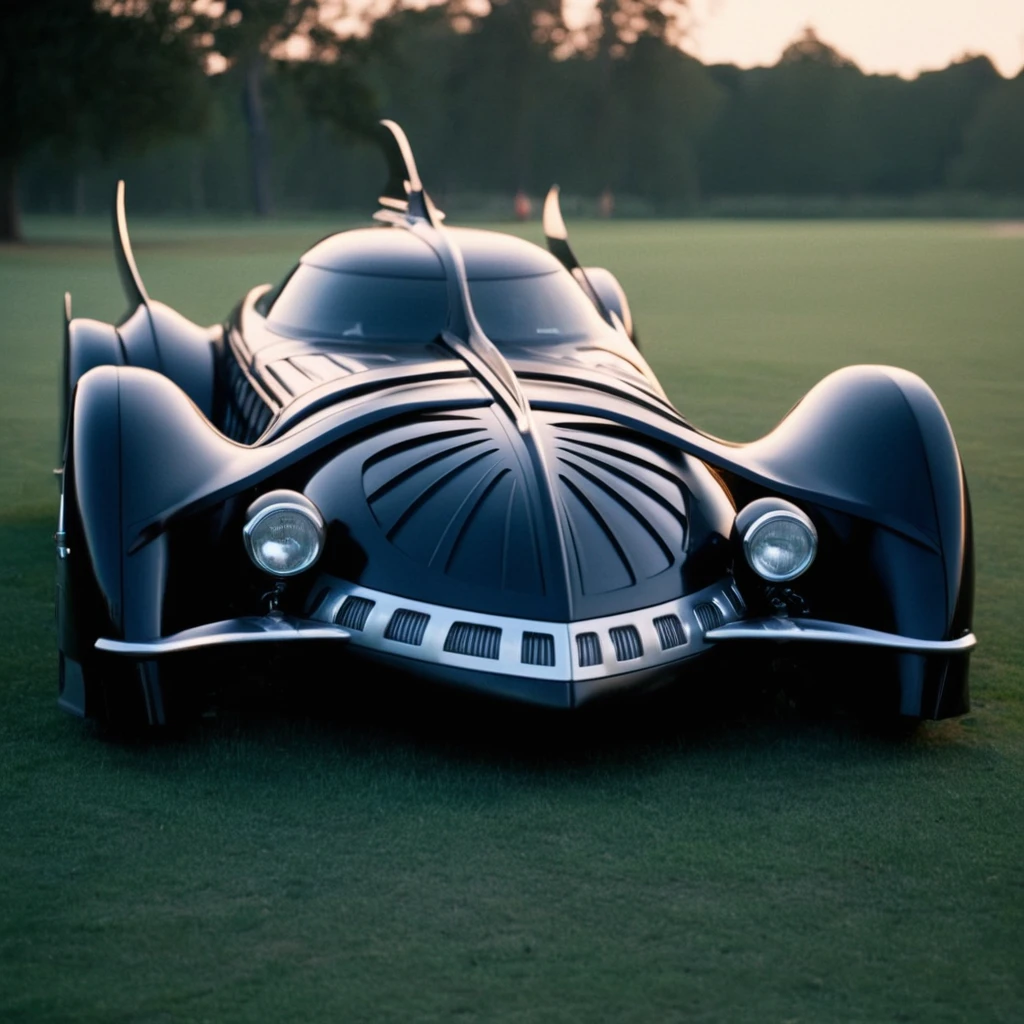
x: 244, y: 415
x: 473, y: 639
x: 588, y: 646
x: 670, y: 632
x: 354, y: 613
x: 538, y: 649
x: 708, y: 616
x: 407, y: 627
x: 627, y: 642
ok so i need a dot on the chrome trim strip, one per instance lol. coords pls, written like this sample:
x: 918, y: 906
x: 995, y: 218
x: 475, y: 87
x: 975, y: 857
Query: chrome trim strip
x: 783, y: 629
x: 509, y: 662
x: 253, y: 629
x: 60, y: 537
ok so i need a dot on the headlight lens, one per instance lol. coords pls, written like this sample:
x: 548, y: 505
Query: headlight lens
x: 284, y: 538
x: 780, y: 545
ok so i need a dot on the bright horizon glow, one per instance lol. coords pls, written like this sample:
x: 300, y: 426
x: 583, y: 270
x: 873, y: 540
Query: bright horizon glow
x: 881, y: 36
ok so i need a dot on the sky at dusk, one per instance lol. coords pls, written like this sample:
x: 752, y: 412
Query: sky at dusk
x: 887, y: 36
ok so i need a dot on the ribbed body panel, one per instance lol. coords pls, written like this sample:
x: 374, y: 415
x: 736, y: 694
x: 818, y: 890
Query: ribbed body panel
x: 708, y: 616
x: 473, y: 639
x: 626, y: 641
x: 354, y: 613
x: 670, y: 632
x: 538, y: 649
x: 407, y: 627
x: 245, y: 415
x: 588, y: 647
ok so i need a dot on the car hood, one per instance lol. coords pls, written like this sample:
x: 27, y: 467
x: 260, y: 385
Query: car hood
x: 570, y: 521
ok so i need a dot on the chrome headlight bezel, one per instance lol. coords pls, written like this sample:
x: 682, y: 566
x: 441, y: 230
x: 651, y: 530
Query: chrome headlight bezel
x: 750, y: 536
x: 274, y: 504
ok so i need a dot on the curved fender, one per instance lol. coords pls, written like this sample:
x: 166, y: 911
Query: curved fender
x: 89, y: 586
x: 156, y: 337
x: 138, y: 445
x: 87, y: 344
x: 877, y: 437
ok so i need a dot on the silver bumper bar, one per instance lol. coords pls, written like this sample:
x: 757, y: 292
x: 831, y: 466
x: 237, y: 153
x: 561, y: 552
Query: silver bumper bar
x: 273, y: 628
x: 817, y: 631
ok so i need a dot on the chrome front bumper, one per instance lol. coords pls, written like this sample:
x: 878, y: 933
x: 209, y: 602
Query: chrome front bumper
x: 272, y: 628
x: 555, y: 663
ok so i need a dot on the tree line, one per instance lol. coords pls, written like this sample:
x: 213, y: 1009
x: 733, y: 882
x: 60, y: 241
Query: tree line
x: 264, y: 105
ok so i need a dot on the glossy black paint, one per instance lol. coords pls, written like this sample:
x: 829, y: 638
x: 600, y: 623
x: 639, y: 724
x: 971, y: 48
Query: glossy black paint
x: 549, y: 481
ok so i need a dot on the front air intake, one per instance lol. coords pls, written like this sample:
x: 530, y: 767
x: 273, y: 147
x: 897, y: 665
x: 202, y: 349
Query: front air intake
x: 538, y: 649
x: 407, y: 627
x: 354, y: 613
x: 474, y: 640
x: 708, y: 616
x: 670, y: 632
x: 588, y: 646
x: 627, y: 642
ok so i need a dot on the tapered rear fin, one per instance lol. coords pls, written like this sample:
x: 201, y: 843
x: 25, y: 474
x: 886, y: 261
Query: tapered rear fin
x: 557, y: 237
x: 404, y: 192
x: 63, y: 397
x: 131, y: 279
x: 407, y: 206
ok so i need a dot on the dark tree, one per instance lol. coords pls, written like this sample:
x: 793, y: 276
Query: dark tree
x: 295, y: 39
x: 112, y: 76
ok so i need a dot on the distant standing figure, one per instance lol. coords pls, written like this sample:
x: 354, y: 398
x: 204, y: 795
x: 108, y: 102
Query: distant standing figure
x: 606, y: 204
x: 523, y: 206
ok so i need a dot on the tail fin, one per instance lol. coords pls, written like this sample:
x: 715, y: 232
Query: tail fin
x: 63, y: 395
x: 557, y: 237
x: 404, y: 191
x: 131, y: 280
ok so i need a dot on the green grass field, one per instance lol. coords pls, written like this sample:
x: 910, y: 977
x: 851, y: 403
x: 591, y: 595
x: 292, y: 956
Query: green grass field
x: 459, y: 862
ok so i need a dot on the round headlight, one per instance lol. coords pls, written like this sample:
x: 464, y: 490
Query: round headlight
x: 780, y: 545
x: 284, y: 535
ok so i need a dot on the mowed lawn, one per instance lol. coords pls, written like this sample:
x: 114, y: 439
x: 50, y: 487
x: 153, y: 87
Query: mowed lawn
x: 720, y: 860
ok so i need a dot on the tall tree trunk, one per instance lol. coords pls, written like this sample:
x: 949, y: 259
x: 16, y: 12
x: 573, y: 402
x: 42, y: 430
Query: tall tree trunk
x: 10, y: 211
x: 259, y: 138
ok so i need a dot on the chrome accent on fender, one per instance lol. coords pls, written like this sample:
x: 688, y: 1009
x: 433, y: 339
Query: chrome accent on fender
x: 60, y: 537
x: 273, y: 628
x: 783, y: 629
x: 510, y: 661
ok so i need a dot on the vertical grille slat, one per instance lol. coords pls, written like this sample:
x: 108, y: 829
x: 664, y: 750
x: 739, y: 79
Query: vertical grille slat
x: 708, y: 616
x: 588, y: 646
x: 473, y: 639
x: 407, y: 627
x: 354, y: 613
x: 538, y: 649
x: 670, y: 632
x: 627, y: 643
x: 245, y: 414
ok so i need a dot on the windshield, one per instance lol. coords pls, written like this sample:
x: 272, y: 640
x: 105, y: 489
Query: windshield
x: 355, y: 307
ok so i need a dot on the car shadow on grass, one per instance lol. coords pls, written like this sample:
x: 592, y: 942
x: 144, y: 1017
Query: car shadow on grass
x: 379, y: 710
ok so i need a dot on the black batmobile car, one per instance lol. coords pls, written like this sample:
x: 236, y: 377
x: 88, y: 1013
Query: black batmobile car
x: 441, y: 449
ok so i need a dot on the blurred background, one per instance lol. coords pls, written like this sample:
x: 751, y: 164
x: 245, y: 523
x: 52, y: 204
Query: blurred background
x: 636, y: 107
x: 756, y: 856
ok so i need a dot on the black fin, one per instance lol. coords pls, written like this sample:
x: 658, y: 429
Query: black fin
x: 404, y: 191
x: 557, y: 237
